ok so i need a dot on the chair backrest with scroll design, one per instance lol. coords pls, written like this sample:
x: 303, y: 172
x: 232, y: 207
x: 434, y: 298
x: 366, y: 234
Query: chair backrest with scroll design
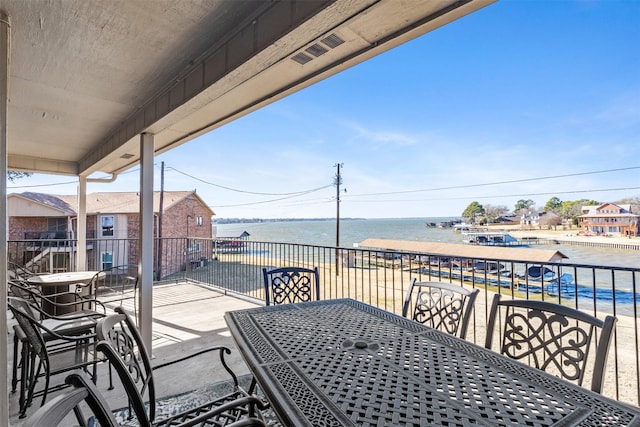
x: 127, y: 345
x: 555, y: 338
x: 57, y: 410
x: 291, y: 284
x: 122, y: 345
x: 440, y: 305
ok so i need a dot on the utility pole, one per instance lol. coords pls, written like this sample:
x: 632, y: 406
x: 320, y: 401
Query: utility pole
x: 337, y: 181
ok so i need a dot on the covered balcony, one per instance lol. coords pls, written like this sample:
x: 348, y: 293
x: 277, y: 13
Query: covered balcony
x: 110, y: 85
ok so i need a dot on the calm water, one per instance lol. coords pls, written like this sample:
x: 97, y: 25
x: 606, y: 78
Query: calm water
x: 323, y: 233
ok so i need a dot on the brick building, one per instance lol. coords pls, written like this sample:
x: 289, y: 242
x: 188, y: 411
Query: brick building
x: 608, y: 219
x: 47, y: 221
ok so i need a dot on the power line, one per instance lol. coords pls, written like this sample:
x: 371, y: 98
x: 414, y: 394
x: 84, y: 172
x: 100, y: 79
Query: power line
x: 272, y: 200
x: 41, y: 185
x: 500, y: 195
x: 251, y: 192
x: 495, y: 183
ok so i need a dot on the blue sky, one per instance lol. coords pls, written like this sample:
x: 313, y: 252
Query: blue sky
x: 543, y: 93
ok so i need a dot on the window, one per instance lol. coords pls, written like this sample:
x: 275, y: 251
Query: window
x: 199, y: 220
x: 195, y: 247
x: 106, y: 260
x: 56, y: 224
x: 107, y: 225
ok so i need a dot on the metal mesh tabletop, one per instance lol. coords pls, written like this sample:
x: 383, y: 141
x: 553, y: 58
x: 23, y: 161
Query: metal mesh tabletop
x: 344, y: 363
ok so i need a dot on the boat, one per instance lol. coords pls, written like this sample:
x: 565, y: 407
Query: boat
x: 489, y: 267
x: 539, y: 273
x: 495, y: 238
x: 448, y: 224
x: 538, y: 276
x: 461, y: 227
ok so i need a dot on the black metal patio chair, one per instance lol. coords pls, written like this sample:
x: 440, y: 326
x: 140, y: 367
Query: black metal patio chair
x: 72, y: 323
x: 16, y: 271
x: 291, y: 284
x: 555, y: 338
x: 69, y: 303
x: 440, y: 305
x: 112, y: 284
x: 122, y: 345
x: 49, y: 349
x: 59, y: 409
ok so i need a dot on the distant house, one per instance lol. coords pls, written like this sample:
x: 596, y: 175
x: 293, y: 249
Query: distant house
x: 531, y: 218
x: 608, y: 219
x: 112, y: 228
x: 507, y: 220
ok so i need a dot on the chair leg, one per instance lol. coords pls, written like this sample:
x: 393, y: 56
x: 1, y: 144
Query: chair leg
x: 33, y: 379
x: 252, y: 386
x: 82, y: 422
x: 14, y: 377
x: 110, y: 376
x: 24, y: 372
x: 46, y: 387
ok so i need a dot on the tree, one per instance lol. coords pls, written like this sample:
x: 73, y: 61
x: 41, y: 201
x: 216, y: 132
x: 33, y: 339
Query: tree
x: 634, y: 202
x: 573, y: 209
x: 550, y: 219
x: 493, y: 212
x: 474, y: 209
x: 15, y: 175
x: 553, y: 205
x: 523, y: 205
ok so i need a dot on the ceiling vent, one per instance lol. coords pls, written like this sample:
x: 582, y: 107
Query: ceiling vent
x: 301, y: 58
x: 126, y: 156
x: 332, y: 41
x: 317, y: 49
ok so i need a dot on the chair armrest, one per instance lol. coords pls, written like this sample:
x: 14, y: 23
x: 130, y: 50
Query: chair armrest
x: 221, y: 349
x: 69, y: 338
x: 69, y: 316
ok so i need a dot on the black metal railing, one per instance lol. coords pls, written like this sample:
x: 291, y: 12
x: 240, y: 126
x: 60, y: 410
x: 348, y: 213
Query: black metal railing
x: 381, y: 278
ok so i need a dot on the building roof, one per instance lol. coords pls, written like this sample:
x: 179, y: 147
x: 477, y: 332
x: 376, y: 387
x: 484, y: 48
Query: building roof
x: 109, y: 202
x: 592, y: 210
x: 50, y: 201
x: 466, y: 251
x: 233, y: 234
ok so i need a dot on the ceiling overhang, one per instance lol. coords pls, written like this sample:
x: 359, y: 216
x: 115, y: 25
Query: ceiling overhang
x: 88, y: 77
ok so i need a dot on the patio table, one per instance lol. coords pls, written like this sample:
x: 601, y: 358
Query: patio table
x: 55, y: 283
x: 345, y: 363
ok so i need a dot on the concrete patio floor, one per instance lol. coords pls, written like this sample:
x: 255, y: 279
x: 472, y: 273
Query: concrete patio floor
x: 187, y: 317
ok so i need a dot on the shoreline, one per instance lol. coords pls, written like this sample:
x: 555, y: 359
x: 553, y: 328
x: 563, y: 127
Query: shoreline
x: 570, y: 237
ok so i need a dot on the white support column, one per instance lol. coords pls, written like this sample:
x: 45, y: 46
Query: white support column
x: 5, y: 35
x: 81, y: 260
x: 145, y: 267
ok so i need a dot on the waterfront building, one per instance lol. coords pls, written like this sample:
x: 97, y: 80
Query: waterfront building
x: 608, y: 219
